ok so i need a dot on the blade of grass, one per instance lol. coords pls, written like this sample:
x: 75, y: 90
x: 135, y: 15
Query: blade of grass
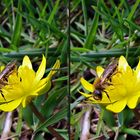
x: 85, y: 16
x: 75, y: 5
x: 17, y: 29
x: 132, y: 25
x: 92, y: 33
x: 53, y: 100
x: 131, y: 131
x: 5, y: 50
x: 89, y: 57
x: 55, y: 8
x: 53, y: 119
x: 133, y: 10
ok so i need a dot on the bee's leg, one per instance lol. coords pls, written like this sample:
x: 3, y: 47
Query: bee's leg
x: 110, y: 79
x: 2, y: 83
x: 2, y: 95
x: 108, y: 83
x: 107, y: 95
x: 116, y: 72
x: 95, y: 97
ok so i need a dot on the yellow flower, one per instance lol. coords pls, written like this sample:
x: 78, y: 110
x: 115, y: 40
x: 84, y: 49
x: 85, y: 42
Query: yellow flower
x: 123, y: 91
x: 26, y: 84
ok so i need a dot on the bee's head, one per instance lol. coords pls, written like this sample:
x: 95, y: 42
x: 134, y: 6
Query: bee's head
x: 97, y: 94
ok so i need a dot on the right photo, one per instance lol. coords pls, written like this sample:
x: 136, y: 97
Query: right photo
x: 104, y: 70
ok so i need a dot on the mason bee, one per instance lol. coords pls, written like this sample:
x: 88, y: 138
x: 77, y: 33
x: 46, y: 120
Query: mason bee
x: 103, y: 81
x: 9, y: 69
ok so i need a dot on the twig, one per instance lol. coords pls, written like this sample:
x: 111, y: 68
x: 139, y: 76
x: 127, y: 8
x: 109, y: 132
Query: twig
x: 86, y: 125
x: 7, y: 126
x: 116, y: 134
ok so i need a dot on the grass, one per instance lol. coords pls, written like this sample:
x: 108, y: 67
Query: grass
x: 34, y: 28
x: 99, y: 32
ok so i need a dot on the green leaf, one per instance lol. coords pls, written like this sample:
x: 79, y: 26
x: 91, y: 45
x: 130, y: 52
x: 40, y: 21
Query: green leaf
x: 64, y: 78
x: 54, y: 119
x: 108, y: 117
x: 54, y: 99
x: 28, y: 115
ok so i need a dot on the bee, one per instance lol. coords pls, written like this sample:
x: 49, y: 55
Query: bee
x: 103, y: 81
x: 8, y: 70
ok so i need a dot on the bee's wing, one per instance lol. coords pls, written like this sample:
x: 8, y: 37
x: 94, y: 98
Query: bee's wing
x: 93, y: 72
x: 7, y: 68
x: 109, y: 70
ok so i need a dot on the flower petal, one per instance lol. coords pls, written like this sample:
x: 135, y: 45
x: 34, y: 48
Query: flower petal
x: 54, y: 69
x: 12, y: 92
x: 87, y: 85
x: 117, y: 106
x: 85, y: 94
x: 27, y: 77
x: 11, y: 105
x: 28, y: 98
x: 41, y: 70
x: 137, y: 71
x: 2, y: 68
x: 99, y: 70
x: 27, y: 62
x: 44, y: 88
x: 122, y: 64
x: 132, y: 101
x: 13, y: 79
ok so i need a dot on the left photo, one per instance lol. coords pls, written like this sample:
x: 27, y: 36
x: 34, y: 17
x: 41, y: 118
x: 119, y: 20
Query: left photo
x: 33, y: 70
